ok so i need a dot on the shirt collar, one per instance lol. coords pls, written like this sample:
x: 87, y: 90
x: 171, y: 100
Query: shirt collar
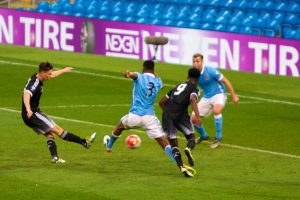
x: 150, y: 74
x: 202, y: 71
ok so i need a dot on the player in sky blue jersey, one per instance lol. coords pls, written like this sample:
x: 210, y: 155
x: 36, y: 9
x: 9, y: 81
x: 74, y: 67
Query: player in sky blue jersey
x: 214, y: 97
x: 146, y: 86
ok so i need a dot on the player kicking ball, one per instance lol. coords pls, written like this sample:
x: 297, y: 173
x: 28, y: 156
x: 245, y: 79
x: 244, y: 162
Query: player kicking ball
x: 176, y: 117
x: 39, y: 121
x: 141, y: 114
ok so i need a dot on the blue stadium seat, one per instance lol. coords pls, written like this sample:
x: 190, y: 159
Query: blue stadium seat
x: 280, y: 6
x: 219, y: 27
x: 168, y: 22
x: 169, y: 12
x: 118, y: 18
x: 194, y: 25
x: 155, y: 21
x: 43, y: 5
x: 54, y: 7
x: 196, y: 14
x: 143, y: 10
x: 222, y: 16
x: 232, y: 28
x: 183, y: 12
x: 206, y: 26
x: 294, y: 7
x: 79, y: 8
x: 254, y: 4
x: 268, y: 5
x: 104, y: 17
x: 263, y: 19
x: 156, y: 11
x: 237, y: 17
x: 269, y: 33
x: 255, y: 31
x: 209, y: 15
x: 130, y: 9
x: 181, y: 24
x: 291, y: 18
x: 92, y: 10
x: 246, y: 30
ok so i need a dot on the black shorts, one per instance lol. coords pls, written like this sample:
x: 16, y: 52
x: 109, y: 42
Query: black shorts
x: 39, y: 122
x: 171, y: 124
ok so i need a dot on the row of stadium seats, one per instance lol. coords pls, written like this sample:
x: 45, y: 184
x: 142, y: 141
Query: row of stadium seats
x: 255, y: 17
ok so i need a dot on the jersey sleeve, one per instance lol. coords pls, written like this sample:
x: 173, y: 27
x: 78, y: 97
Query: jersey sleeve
x: 138, y: 76
x: 216, y: 74
x: 195, y: 92
x: 32, y: 87
x: 169, y: 93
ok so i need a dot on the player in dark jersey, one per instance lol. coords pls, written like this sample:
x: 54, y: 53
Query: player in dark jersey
x: 175, y: 114
x: 39, y: 121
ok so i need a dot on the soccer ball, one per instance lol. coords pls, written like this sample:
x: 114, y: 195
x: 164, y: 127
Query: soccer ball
x: 133, y: 141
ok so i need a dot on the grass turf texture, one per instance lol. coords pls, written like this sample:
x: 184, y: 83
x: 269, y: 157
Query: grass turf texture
x: 144, y: 173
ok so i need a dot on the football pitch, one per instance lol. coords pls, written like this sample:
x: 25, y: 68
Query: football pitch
x: 259, y: 157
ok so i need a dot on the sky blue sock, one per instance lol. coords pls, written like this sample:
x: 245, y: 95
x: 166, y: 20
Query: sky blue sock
x: 168, y: 150
x: 201, y: 130
x: 112, y: 140
x: 218, y: 126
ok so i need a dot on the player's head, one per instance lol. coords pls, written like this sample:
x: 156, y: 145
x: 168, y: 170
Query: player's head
x: 194, y: 74
x: 198, y: 61
x: 45, y: 71
x: 148, y: 66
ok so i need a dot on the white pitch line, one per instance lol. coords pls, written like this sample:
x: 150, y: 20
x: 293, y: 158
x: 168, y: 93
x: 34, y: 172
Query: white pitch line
x: 165, y: 84
x: 138, y: 131
x: 118, y: 105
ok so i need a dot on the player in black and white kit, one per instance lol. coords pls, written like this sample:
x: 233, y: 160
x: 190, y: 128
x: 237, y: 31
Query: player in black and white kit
x: 39, y: 121
x: 175, y: 114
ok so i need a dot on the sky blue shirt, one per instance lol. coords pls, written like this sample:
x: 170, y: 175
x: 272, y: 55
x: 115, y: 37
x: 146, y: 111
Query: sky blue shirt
x: 145, y: 90
x: 210, y: 82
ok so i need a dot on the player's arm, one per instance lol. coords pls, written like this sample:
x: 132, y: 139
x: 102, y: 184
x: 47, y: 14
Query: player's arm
x: 228, y: 85
x: 163, y: 102
x: 60, y: 72
x: 129, y: 74
x: 26, y: 99
x: 193, y: 102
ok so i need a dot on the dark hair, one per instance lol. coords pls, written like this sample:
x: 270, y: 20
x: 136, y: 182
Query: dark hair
x: 198, y: 55
x: 194, y: 73
x: 148, y: 64
x: 45, y: 66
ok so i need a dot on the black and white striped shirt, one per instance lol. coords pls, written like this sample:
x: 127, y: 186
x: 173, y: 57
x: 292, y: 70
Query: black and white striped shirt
x: 35, y: 87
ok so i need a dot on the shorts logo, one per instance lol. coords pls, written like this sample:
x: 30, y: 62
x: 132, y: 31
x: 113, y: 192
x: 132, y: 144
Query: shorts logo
x: 122, y: 43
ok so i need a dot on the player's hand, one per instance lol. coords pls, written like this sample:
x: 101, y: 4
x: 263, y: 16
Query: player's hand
x: 127, y: 74
x: 68, y: 69
x: 197, y: 121
x: 235, y: 99
x: 29, y: 113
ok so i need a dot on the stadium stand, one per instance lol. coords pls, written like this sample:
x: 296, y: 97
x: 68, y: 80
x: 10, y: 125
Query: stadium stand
x: 271, y: 18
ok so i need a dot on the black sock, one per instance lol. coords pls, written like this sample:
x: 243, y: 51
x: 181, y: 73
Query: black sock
x: 72, y: 138
x: 52, y: 147
x: 191, y: 141
x: 177, y: 156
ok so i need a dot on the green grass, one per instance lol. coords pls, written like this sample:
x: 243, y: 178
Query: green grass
x: 144, y: 173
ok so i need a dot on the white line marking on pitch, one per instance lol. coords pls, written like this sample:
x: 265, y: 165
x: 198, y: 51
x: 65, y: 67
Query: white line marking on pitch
x: 111, y: 126
x: 165, y: 84
x: 118, y: 105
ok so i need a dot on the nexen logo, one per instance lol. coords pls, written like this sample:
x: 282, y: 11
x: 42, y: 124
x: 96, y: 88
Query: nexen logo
x: 122, y: 43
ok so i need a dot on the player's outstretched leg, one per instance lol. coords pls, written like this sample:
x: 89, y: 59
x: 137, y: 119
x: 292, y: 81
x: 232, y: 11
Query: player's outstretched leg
x: 68, y: 136
x: 186, y: 171
x: 110, y: 140
x: 189, y: 147
x: 200, y: 130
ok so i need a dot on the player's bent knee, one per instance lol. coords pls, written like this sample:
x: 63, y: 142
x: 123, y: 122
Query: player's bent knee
x: 57, y: 130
